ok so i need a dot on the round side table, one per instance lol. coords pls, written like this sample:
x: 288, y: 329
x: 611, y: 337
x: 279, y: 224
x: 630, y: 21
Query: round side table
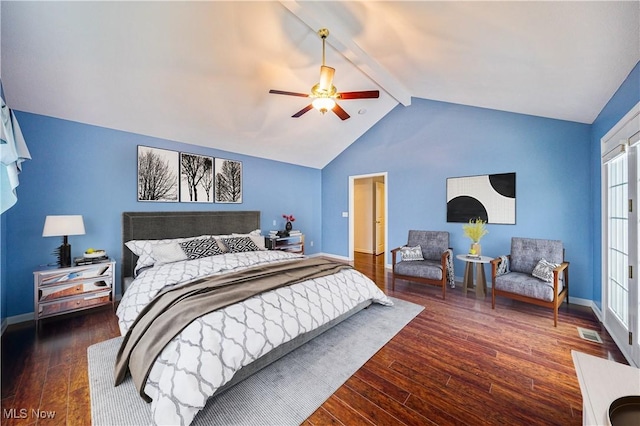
x: 481, y: 281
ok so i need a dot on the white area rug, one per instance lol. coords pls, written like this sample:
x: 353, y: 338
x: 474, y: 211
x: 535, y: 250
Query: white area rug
x: 284, y: 393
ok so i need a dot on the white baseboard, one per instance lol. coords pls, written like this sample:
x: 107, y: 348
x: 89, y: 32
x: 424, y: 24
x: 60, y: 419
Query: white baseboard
x: 334, y: 256
x: 17, y: 319
x: 581, y: 302
x: 596, y: 311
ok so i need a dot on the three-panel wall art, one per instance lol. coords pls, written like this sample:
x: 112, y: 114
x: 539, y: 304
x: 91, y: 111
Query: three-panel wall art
x: 171, y: 176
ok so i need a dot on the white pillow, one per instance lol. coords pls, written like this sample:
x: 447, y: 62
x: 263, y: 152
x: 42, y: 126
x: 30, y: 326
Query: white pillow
x: 411, y: 253
x: 544, y: 270
x: 168, y: 253
x: 144, y: 249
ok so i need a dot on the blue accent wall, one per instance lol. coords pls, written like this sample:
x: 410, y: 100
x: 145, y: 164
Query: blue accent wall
x: 89, y: 170
x: 625, y: 98
x: 422, y: 145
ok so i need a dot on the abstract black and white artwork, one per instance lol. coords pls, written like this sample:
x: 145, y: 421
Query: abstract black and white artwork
x: 491, y: 198
x: 196, y: 178
x: 157, y: 174
x: 228, y: 181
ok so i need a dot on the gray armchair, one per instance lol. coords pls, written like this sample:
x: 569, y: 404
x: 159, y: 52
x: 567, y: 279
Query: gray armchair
x: 534, y: 272
x: 431, y: 263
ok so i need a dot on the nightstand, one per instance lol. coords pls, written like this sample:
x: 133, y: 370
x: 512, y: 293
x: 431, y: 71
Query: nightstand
x: 293, y: 243
x: 60, y: 291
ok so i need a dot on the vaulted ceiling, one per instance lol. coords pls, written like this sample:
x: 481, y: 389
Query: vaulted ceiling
x: 200, y: 72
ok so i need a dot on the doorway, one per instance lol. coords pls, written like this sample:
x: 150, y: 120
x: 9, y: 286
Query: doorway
x: 368, y: 215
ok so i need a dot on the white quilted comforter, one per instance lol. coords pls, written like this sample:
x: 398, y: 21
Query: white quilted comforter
x: 207, y: 353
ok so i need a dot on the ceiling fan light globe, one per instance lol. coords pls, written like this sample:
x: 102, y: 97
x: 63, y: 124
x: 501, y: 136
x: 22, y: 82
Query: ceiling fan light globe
x: 323, y: 104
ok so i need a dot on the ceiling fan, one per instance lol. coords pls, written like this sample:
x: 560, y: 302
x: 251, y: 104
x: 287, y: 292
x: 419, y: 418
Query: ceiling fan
x: 325, y: 94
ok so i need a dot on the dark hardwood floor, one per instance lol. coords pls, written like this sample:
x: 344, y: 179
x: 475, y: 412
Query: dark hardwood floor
x: 458, y: 362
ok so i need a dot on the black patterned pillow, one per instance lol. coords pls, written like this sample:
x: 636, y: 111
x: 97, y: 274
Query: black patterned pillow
x: 195, y: 249
x: 544, y: 270
x: 240, y: 244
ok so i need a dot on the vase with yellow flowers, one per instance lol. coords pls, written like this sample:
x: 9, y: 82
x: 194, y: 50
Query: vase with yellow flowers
x: 475, y: 230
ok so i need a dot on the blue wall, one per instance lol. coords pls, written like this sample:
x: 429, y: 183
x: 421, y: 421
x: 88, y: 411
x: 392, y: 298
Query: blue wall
x: 82, y: 169
x: 88, y: 170
x: 422, y: 145
x: 626, y: 97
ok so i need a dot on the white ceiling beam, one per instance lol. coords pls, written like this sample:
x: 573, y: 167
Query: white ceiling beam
x: 340, y: 39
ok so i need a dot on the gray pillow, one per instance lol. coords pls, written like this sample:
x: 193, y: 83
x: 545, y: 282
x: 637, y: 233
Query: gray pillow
x: 544, y: 270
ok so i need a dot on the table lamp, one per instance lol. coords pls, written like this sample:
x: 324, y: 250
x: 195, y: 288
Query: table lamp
x: 63, y: 226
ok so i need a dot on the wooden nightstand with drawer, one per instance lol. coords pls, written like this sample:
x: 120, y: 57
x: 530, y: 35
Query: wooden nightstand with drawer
x: 60, y: 291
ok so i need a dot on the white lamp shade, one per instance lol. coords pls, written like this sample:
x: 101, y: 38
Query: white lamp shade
x: 57, y: 226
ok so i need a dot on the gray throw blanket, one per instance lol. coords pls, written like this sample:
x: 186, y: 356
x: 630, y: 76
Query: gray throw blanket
x: 175, y: 308
x: 451, y: 276
x: 503, y: 266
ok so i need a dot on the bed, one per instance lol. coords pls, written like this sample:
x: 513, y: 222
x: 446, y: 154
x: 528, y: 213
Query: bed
x: 221, y: 348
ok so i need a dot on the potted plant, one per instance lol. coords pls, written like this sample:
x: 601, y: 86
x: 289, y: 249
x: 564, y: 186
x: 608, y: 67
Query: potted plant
x: 475, y: 230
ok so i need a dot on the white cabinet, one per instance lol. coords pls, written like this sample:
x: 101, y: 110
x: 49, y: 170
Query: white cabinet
x: 602, y: 382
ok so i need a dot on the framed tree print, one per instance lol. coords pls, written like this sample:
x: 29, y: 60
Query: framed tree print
x: 228, y: 181
x: 157, y: 174
x: 196, y: 178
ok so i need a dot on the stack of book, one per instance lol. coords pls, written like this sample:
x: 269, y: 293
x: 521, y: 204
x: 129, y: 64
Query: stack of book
x: 80, y: 261
x: 280, y: 234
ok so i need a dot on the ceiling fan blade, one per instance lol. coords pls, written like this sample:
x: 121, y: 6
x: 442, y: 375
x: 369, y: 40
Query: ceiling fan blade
x: 364, y: 94
x: 302, y: 111
x: 282, y: 92
x: 340, y: 112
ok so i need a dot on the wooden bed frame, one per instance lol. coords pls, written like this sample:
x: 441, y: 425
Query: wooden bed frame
x: 161, y: 225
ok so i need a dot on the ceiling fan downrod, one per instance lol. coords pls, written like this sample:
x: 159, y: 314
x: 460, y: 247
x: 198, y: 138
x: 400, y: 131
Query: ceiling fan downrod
x: 323, y: 33
x: 325, y: 87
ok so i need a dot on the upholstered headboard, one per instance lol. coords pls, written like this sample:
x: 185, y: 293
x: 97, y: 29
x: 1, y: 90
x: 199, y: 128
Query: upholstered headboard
x: 160, y: 225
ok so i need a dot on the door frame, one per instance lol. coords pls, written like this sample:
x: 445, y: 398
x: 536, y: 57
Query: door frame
x: 612, y: 144
x: 352, y: 180
x: 376, y: 229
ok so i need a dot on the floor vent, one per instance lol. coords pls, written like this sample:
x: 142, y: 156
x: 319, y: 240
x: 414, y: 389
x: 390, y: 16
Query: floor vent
x: 589, y: 335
